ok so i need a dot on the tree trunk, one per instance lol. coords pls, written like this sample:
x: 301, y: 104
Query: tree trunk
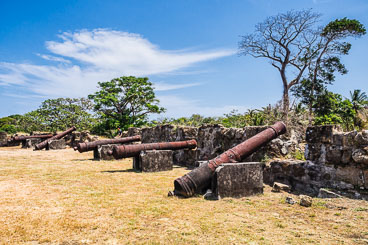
x: 285, y: 103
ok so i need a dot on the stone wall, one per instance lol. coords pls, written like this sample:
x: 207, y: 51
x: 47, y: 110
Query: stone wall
x: 213, y: 140
x: 334, y: 159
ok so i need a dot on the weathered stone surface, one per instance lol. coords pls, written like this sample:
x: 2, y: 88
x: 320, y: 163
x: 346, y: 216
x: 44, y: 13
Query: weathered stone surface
x: 333, y: 154
x: 30, y: 143
x: 305, y: 201
x: 186, y: 133
x: 361, y: 138
x: 360, y: 156
x: 278, y: 187
x: 134, y: 131
x: 186, y: 157
x: 100, y: 153
x: 161, y: 133
x: 290, y: 200
x: 238, y: 180
x: 365, y: 178
x: 3, y: 136
x: 307, y: 177
x: 315, y: 152
x: 154, y: 161
x: 324, y: 193
x: 321, y: 134
x: 350, y: 174
x: 56, y: 144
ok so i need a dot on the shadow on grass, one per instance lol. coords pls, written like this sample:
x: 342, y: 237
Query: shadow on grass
x: 84, y: 160
x: 131, y: 170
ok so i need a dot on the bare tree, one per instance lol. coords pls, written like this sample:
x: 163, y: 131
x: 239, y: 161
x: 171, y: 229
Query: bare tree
x: 287, y: 40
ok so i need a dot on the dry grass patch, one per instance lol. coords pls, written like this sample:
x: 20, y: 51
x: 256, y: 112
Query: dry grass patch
x: 64, y: 197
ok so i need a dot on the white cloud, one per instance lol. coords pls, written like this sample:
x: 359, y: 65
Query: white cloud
x: 87, y: 57
x: 53, y: 58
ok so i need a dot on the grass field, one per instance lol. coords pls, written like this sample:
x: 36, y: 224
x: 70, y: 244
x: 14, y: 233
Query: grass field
x: 64, y: 197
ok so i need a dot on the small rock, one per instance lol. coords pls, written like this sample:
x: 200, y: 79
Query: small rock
x: 305, y: 201
x: 209, y: 195
x: 324, y: 193
x: 290, y: 200
x: 278, y: 187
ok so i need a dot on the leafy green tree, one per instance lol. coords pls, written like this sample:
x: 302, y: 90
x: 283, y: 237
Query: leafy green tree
x: 59, y: 114
x: 358, y: 99
x: 62, y: 113
x: 326, y: 60
x: 330, y: 108
x: 125, y: 102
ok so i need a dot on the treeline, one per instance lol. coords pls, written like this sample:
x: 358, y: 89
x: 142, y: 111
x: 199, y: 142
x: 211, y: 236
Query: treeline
x: 102, y: 112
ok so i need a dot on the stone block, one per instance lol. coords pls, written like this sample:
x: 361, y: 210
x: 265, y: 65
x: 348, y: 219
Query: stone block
x: 154, y: 161
x: 360, y: 156
x: 321, y: 134
x: 324, y: 193
x: 365, y: 177
x: 56, y: 144
x: 305, y: 201
x: 348, y: 139
x: 351, y: 175
x: 334, y: 154
x: 361, y: 138
x: 250, y: 131
x: 278, y: 187
x: 238, y: 180
x: 134, y: 131
x: 186, y: 133
x: 315, y: 152
x: 3, y: 136
x: 186, y: 157
x: 30, y: 143
x: 100, y: 153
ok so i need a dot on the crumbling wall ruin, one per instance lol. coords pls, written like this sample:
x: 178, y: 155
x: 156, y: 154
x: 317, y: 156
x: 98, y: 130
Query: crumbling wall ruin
x: 334, y: 159
x: 213, y: 140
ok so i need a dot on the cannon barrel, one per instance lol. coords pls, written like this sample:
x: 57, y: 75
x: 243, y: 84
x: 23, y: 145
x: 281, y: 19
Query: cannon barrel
x: 43, y: 144
x: 124, y: 151
x: 37, y: 136
x: 89, y: 146
x: 200, y: 177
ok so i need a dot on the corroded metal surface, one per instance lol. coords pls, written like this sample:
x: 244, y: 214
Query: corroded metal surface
x: 43, y: 144
x: 36, y: 136
x: 198, y: 178
x: 90, y: 146
x: 124, y: 151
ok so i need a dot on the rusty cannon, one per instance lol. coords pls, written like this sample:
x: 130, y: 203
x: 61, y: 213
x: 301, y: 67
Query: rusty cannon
x: 187, y: 185
x: 36, y: 136
x: 124, y: 151
x: 90, y: 146
x: 44, y: 143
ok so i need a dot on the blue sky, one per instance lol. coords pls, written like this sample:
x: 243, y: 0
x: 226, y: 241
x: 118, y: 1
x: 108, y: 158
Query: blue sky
x: 188, y: 49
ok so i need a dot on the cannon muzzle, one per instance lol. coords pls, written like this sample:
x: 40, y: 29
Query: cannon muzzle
x: 44, y: 143
x: 124, y: 151
x: 90, y: 146
x: 200, y: 177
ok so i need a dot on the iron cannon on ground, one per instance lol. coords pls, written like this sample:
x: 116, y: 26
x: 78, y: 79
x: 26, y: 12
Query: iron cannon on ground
x: 44, y: 143
x: 200, y: 177
x: 124, y: 151
x: 36, y: 136
x: 90, y: 146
